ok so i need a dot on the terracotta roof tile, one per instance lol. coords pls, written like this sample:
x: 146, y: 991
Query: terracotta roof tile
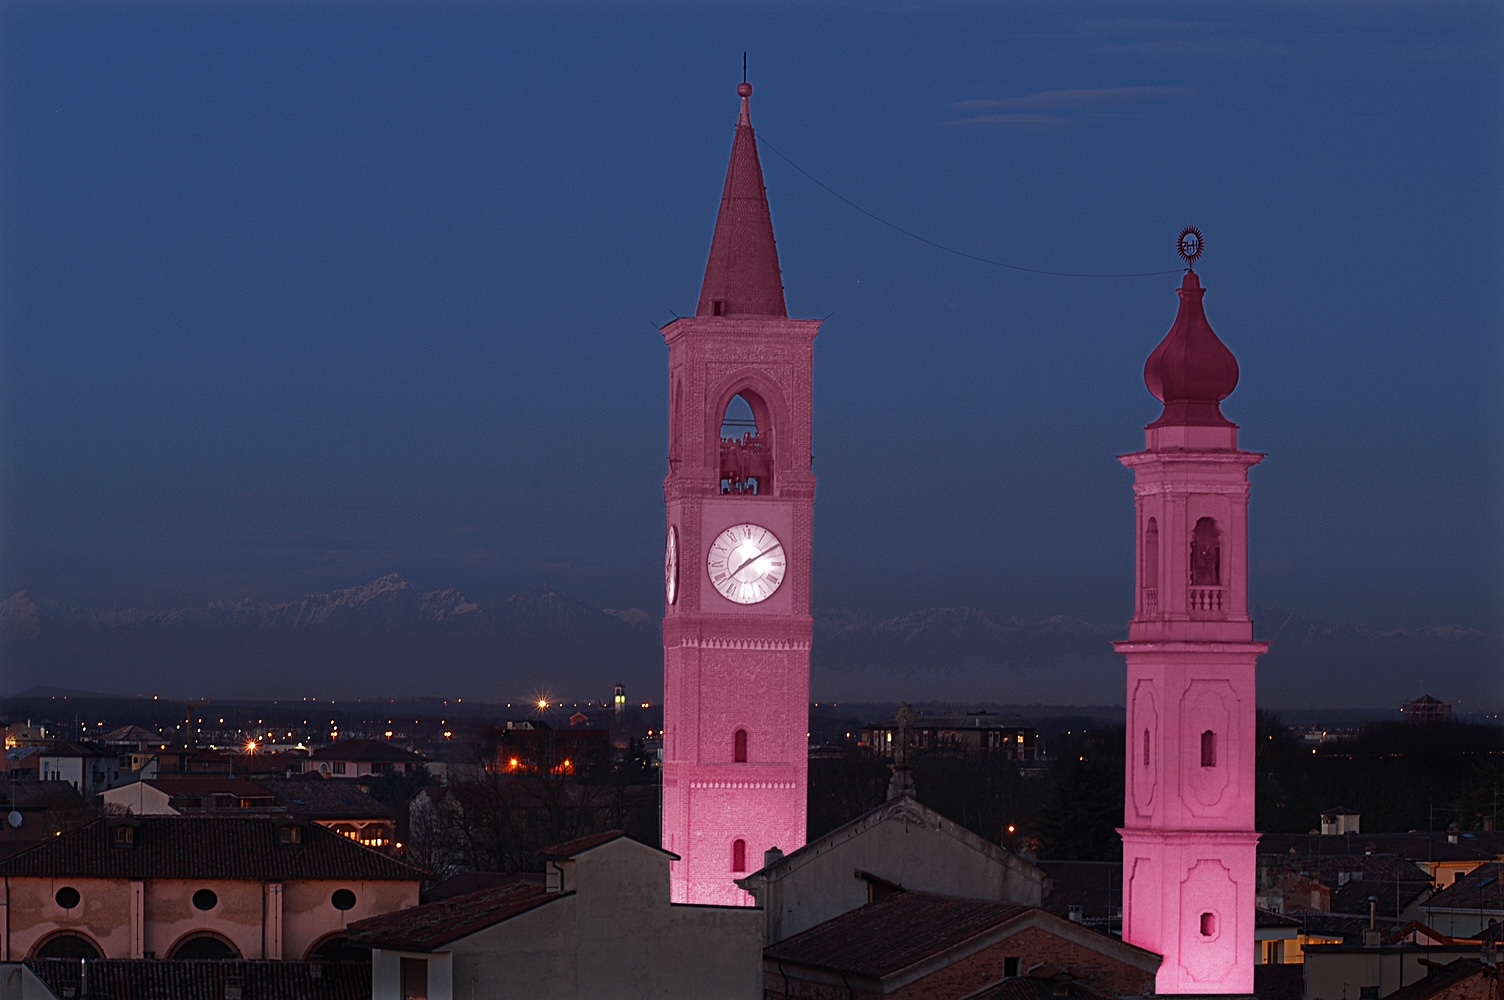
x: 574, y: 848
x: 895, y: 932
x: 1280, y: 982
x: 240, y: 847
x: 1480, y: 889
x: 433, y: 925
x: 148, y: 978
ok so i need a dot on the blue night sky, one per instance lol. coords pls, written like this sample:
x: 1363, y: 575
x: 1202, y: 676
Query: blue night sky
x: 293, y: 295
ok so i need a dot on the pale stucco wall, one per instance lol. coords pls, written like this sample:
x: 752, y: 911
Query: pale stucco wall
x: 171, y: 916
x: 915, y: 855
x: 616, y: 936
x: 102, y: 914
x: 309, y: 916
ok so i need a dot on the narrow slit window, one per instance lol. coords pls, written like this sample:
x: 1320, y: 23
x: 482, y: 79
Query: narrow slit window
x: 1146, y: 748
x: 739, y: 747
x: 738, y: 855
x: 1208, y: 749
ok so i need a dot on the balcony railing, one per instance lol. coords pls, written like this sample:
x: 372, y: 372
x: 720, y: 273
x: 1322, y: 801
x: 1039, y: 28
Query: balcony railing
x: 1151, y: 600
x: 1206, y: 598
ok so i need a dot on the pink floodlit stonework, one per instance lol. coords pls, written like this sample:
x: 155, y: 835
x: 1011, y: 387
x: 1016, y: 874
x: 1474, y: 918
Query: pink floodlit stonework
x: 740, y: 495
x: 1188, y: 827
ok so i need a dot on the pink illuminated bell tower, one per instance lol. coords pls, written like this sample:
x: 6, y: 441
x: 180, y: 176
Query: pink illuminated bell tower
x: 741, y: 496
x: 1188, y: 830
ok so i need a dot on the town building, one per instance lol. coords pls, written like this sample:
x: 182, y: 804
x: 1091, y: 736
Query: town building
x: 961, y: 734
x: 177, y: 887
x: 900, y: 845
x: 88, y: 767
x: 1470, y: 905
x: 360, y: 758
x: 1188, y: 830
x: 1427, y: 709
x: 601, y: 924
x: 740, y: 497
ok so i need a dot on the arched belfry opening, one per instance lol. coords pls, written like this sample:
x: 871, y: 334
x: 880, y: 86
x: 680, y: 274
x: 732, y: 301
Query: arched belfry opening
x: 746, y: 447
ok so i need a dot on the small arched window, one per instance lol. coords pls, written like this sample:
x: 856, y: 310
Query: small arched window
x: 739, y: 747
x: 1151, y: 555
x: 1208, y: 749
x: 738, y: 855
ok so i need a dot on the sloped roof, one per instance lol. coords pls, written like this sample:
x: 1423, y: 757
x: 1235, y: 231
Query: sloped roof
x: 742, y: 273
x: 902, y: 930
x: 206, y: 784
x: 1095, y: 886
x: 163, y: 978
x: 433, y: 925
x: 897, y: 931
x: 1437, y: 980
x: 1480, y: 889
x: 204, y: 847
x: 905, y: 809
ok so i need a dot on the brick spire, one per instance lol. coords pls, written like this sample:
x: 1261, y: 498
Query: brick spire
x: 742, y: 277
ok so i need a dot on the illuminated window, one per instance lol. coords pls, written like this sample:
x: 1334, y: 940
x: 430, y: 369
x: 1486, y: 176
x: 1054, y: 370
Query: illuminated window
x: 1208, y: 749
x: 1208, y: 924
x: 739, y: 752
x: 738, y: 855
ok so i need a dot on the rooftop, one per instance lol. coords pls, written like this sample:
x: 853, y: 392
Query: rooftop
x: 1480, y: 889
x: 364, y: 750
x: 161, y: 978
x: 894, y: 933
x: 433, y: 925
x: 238, y: 847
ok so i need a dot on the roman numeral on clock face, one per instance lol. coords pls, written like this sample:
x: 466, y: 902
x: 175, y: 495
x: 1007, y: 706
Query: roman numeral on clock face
x: 746, y: 563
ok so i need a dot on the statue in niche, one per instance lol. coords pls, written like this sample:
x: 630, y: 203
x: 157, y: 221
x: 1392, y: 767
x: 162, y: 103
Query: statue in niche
x: 1206, y: 554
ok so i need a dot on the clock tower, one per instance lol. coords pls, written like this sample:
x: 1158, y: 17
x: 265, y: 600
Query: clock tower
x: 1189, y: 867
x: 740, y: 494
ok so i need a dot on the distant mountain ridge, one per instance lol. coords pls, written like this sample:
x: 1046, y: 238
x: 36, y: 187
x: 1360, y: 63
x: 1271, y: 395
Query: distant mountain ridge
x: 387, y: 636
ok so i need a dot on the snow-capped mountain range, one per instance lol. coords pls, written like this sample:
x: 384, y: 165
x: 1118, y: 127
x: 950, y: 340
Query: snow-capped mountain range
x: 388, y: 637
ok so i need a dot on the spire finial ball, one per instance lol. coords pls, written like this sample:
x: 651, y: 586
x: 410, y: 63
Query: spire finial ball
x: 744, y: 89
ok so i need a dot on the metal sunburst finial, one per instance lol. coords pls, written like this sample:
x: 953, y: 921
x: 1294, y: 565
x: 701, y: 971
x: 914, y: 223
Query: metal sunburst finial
x: 1189, y: 245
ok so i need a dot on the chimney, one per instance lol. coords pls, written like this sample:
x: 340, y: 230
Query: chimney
x: 771, y: 856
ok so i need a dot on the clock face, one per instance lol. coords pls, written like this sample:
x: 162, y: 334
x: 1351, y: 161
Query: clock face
x: 746, y: 563
x: 671, y: 565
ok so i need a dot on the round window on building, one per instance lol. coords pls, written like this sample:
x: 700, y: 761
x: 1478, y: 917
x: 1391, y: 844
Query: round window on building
x: 67, y: 897
x: 205, y: 899
x: 343, y: 899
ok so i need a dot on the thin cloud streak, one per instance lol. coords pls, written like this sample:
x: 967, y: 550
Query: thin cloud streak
x: 1081, y: 98
x: 1013, y: 121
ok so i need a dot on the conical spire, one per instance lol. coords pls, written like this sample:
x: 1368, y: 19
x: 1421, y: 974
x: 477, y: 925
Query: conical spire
x: 742, y: 277
x: 1191, y: 371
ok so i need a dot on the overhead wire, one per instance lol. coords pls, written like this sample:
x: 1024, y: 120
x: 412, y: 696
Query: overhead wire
x: 941, y: 246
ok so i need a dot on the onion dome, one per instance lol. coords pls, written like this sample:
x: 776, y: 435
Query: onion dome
x: 1191, y: 371
x: 742, y: 276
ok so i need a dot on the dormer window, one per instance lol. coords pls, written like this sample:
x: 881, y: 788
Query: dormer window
x: 125, y: 835
x: 290, y: 835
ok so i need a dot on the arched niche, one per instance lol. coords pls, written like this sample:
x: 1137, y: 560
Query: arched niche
x: 201, y: 945
x: 68, y: 944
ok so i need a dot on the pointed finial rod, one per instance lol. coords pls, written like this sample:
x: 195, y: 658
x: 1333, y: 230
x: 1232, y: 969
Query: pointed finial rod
x: 744, y: 67
x: 1189, y: 245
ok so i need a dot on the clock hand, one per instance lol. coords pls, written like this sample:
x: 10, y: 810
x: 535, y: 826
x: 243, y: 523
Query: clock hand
x: 749, y: 562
